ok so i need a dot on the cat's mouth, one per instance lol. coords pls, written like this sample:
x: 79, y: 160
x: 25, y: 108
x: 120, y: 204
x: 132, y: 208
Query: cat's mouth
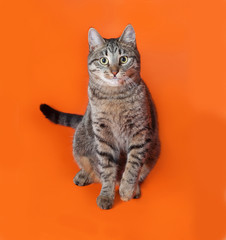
x: 120, y: 81
x: 115, y: 81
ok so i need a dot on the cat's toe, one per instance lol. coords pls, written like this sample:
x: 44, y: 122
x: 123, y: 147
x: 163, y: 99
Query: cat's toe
x: 137, y: 193
x: 81, y: 179
x: 126, y: 191
x: 104, y: 202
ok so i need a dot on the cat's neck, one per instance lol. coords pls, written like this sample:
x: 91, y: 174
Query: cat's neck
x: 113, y: 92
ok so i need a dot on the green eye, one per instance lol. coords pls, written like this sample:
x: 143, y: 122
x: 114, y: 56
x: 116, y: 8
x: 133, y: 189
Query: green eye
x: 104, y: 61
x: 123, y: 59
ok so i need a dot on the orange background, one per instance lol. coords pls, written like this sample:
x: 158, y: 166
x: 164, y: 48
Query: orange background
x: 44, y: 52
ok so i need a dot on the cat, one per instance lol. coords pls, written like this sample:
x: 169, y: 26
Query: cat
x: 116, y: 141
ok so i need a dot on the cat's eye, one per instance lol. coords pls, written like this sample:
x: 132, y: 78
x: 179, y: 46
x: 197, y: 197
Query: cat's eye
x: 123, y: 59
x: 104, y: 61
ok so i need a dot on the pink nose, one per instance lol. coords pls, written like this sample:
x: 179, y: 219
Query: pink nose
x: 114, y: 73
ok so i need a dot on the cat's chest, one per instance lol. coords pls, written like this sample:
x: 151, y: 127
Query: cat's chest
x: 117, y: 119
x: 115, y: 113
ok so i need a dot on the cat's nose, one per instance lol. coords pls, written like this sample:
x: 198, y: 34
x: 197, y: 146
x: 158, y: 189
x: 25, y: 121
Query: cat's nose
x: 114, y: 73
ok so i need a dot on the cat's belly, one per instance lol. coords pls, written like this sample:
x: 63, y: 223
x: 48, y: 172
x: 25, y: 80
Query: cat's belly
x: 120, y: 137
x: 117, y: 121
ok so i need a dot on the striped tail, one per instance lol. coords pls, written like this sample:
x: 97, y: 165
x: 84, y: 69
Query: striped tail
x: 65, y: 119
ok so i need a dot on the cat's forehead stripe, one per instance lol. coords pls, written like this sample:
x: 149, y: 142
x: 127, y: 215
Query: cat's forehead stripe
x: 112, y: 45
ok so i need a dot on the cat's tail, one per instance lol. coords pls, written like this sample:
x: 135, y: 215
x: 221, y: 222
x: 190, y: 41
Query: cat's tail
x: 65, y: 119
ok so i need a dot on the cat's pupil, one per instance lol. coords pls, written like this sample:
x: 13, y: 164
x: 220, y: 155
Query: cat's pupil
x: 123, y: 59
x: 104, y: 60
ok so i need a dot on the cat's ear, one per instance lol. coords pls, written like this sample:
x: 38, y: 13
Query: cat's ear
x: 95, y: 40
x: 128, y: 36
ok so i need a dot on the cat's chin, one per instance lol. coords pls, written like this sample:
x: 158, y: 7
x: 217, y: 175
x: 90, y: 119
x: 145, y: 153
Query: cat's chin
x: 114, y: 82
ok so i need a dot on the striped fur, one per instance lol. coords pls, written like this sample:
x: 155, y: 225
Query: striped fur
x: 117, y: 140
x: 65, y: 119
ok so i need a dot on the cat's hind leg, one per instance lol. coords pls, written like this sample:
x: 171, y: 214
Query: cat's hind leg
x: 149, y: 163
x: 145, y: 170
x: 86, y: 175
x: 137, y: 192
x: 82, y: 178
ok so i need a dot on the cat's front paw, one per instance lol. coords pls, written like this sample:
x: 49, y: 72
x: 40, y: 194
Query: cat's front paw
x: 105, y: 202
x: 126, y: 190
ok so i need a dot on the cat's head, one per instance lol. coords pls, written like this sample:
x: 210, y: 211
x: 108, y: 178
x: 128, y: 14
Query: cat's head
x: 113, y: 62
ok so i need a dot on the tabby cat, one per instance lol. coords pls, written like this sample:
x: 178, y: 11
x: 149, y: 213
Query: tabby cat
x: 117, y: 140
